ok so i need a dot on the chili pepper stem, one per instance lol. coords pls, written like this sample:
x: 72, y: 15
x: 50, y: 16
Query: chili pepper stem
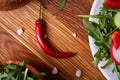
x: 40, y: 12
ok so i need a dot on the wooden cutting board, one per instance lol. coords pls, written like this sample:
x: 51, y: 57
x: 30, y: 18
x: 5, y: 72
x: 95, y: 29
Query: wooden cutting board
x: 59, y: 27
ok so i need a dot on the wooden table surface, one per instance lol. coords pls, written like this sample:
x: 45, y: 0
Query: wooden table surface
x: 59, y: 27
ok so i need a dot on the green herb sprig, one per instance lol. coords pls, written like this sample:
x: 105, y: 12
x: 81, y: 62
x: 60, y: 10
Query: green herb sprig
x: 18, y: 72
x: 62, y: 4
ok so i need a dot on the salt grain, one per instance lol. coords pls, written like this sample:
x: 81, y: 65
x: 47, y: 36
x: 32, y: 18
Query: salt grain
x: 54, y: 16
x: 74, y: 34
x: 78, y: 73
x: 54, y: 71
x: 20, y: 31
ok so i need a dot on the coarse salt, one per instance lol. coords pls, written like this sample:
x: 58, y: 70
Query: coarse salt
x: 20, y: 31
x: 54, y: 16
x: 54, y: 71
x: 74, y: 34
x: 78, y: 73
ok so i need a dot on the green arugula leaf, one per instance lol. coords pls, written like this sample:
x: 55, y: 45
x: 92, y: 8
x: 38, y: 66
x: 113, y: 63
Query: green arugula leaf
x: 109, y: 61
x: 39, y: 75
x: 29, y: 78
x: 23, y: 64
x: 10, y: 75
x: 116, y: 70
x: 18, y: 72
x: 62, y: 4
x: 25, y: 74
x: 93, y: 29
x: 4, y: 75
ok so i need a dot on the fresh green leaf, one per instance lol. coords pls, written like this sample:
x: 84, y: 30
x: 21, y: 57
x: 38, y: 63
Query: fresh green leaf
x: 4, y: 75
x: 62, y: 4
x: 116, y: 70
x: 91, y: 29
x: 25, y: 74
x: 23, y: 64
x: 109, y: 61
x: 10, y: 75
x: 29, y: 78
x: 42, y: 74
x: 18, y: 72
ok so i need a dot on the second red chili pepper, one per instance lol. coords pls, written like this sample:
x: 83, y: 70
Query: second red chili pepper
x: 44, y: 46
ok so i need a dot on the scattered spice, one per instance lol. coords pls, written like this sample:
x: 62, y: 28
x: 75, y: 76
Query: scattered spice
x: 54, y: 71
x: 78, y: 73
x: 74, y: 34
x: 20, y: 31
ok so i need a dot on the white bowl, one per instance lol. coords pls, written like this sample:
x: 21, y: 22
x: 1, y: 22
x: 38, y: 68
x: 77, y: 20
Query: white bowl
x: 107, y: 72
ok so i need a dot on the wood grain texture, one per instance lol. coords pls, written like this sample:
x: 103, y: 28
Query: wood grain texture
x: 59, y: 27
x: 12, y: 50
x: 12, y: 4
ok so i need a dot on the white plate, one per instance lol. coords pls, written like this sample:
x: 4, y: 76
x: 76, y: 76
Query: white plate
x: 108, y: 71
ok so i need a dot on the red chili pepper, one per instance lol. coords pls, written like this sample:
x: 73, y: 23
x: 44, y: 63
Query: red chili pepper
x: 44, y: 46
x: 113, y: 4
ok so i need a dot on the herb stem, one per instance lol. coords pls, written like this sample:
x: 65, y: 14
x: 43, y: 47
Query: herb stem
x: 111, y: 32
x: 25, y: 74
x: 16, y: 77
x: 114, y: 10
x: 40, y: 11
